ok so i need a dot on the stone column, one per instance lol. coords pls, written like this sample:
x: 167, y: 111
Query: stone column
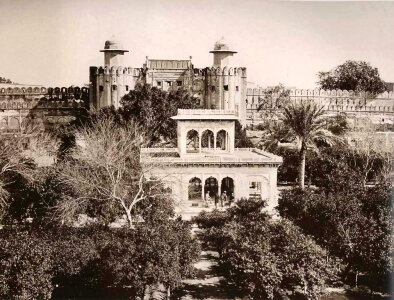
x: 199, y: 140
x: 202, y: 187
x: 219, y: 179
x: 214, y: 140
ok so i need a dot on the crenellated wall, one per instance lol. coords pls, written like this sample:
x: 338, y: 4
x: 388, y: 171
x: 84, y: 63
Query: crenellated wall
x: 109, y: 84
x: 47, y: 106
x: 333, y: 101
x: 223, y: 88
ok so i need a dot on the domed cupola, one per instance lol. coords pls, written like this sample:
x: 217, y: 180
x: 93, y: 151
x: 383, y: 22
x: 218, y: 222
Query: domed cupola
x: 221, y: 53
x: 113, y: 53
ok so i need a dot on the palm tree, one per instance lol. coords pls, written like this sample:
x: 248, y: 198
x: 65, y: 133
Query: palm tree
x: 306, y: 123
x: 297, y: 125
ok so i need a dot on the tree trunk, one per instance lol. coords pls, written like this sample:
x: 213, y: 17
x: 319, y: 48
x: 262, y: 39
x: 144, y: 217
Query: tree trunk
x: 129, y: 218
x: 168, y: 293
x: 301, y: 170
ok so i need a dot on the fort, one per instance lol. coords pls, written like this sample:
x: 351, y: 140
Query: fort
x: 205, y: 165
x: 219, y: 86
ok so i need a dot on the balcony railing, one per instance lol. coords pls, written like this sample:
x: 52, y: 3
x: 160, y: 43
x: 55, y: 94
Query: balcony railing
x: 207, y: 112
x: 158, y: 150
x: 214, y: 158
x: 206, y: 159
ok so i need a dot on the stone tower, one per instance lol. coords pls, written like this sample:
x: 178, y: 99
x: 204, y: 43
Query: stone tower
x: 109, y: 83
x: 225, y: 85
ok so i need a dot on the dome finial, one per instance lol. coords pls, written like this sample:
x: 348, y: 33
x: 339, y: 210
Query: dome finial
x: 222, y: 46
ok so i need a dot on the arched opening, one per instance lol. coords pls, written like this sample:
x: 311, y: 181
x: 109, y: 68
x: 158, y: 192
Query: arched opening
x: 195, y: 189
x: 14, y: 124
x: 3, y: 124
x: 192, y: 142
x: 227, y: 187
x: 210, y: 188
x: 222, y: 140
x: 207, y: 140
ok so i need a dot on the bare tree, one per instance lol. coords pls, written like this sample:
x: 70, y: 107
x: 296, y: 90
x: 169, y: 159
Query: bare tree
x: 367, y: 147
x: 103, y: 173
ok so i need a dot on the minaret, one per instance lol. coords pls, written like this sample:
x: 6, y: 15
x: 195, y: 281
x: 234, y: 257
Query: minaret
x: 221, y: 54
x: 225, y: 84
x: 113, y: 54
x: 109, y: 83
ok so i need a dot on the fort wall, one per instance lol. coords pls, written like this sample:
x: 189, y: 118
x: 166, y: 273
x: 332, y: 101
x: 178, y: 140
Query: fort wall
x: 46, y: 105
x: 361, y: 104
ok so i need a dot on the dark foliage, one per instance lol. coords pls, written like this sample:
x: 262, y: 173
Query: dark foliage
x: 353, y: 224
x: 34, y: 262
x: 263, y: 258
x: 152, y: 108
x: 352, y: 75
x: 241, y: 140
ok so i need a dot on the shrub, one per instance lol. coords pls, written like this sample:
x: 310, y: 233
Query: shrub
x: 25, y: 266
x: 33, y: 262
x: 262, y: 257
x: 147, y: 256
x: 354, y: 225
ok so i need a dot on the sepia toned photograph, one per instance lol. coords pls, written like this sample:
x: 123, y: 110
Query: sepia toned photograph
x: 196, y: 150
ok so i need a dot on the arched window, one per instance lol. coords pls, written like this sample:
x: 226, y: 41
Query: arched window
x: 207, y: 140
x: 3, y: 124
x: 192, y: 141
x: 195, y: 189
x: 222, y: 140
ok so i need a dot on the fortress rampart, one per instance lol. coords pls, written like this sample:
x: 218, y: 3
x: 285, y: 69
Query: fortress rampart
x: 45, y: 105
x: 361, y: 104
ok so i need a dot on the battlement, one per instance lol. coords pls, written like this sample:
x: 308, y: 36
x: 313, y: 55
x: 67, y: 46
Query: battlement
x: 39, y: 90
x: 217, y: 71
x: 115, y: 70
x: 332, y: 101
x: 324, y: 93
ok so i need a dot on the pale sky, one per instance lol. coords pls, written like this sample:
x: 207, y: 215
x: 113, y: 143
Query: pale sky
x: 53, y: 42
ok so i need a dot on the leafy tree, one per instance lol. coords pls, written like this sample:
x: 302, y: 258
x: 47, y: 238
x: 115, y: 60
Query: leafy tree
x: 241, y: 139
x: 152, y: 108
x: 25, y: 267
x: 19, y: 171
x: 265, y: 259
x: 352, y: 75
x: 32, y: 262
x: 338, y: 124
x: 353, y: 224
x: 148, y: 256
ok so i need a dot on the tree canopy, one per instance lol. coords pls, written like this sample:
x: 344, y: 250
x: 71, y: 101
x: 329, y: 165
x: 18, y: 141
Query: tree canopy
x: 263, y: 258
x: 152, y: 108
x: 352, y: 75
